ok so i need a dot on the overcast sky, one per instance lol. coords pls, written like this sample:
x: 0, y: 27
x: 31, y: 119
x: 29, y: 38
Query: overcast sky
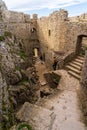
x: 44, y: 7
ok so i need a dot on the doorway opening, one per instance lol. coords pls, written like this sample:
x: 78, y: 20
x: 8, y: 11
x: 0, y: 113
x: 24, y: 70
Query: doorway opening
x: 81, y: 45
x: 36, y: 52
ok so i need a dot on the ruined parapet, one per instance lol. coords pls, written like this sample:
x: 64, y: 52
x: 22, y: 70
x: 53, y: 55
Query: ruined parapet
x: 74, y: 19
x: 27, y: 18
x: 81, y: 18
x: 61, y: 15
x: 13, y: 17
x: 35, y: 16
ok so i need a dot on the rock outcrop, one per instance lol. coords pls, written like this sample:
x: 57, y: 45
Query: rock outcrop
x: 2, y: 6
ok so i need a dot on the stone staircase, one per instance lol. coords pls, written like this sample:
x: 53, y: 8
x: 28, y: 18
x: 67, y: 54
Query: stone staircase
x: 74, y: 68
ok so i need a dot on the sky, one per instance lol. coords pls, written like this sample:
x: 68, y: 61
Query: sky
x: 45, y: 7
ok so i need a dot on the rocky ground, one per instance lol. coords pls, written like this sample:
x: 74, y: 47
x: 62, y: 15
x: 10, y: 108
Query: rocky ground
x: 59, y: 111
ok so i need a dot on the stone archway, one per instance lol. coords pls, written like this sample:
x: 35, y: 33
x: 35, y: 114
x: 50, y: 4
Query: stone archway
x: 80, y: 42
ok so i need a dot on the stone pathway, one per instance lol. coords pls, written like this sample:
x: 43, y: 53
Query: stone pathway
x: 63, y: 107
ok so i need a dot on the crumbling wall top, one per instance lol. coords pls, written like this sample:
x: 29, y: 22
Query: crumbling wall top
x: 62, y: 15
x: 35, y: 16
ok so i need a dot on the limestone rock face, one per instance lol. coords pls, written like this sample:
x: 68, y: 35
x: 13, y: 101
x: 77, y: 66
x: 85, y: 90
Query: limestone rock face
x: 2, y: 6
x: 39, y: 118
x: 8, y: 67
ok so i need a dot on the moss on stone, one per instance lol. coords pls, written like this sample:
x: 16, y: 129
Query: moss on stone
x: 2, y: 38
x: 23, y: 82
x: 22, y: 54
x: 7, y: 34
x: 24, y: 125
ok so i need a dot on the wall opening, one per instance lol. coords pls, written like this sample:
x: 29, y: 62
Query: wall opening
x: 33, y: 30
x: 49, y: 32
x: 81, y: 44
x: 36, y: 52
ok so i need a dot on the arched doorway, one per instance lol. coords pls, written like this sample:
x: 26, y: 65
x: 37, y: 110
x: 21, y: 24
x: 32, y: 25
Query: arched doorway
x: 33, y: 30
x: 81, y: 44
x: 36, y: 52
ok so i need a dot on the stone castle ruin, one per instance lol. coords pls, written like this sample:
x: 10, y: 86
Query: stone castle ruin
x: 24, y: 40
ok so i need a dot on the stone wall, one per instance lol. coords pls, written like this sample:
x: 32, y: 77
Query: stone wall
x: 58, y: 32
x: 63, y: 33
x: 83, y: 90
x: 84, y: 73
x: 15, y: 17
x: 81, y: 18
x: 19, y: 24
x: 49, y: 29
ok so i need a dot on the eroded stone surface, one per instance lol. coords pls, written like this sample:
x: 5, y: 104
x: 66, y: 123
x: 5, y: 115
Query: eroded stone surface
x: 38, y: 117
x: 63, y: 105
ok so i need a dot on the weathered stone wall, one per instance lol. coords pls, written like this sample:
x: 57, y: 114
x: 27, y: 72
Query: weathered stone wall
x: 20, y: 30
x: 59, y: 33
x: 63, y: 33
x: 83, y: 90
x: 84, y: 41
x: 84, y: 72
x: 19, y: 24
x: 81, y: 18
x: 50, y: 29
x: 15, y: 17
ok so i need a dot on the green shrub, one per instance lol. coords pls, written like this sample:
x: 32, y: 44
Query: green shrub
x: 1, y: 18
x: 2, y: 38
x: 23, y: 81
x: 22, y: 54
x: 86, y: 48
x: 17, y: 68
x: 24, y: 125
x: 7, y: 34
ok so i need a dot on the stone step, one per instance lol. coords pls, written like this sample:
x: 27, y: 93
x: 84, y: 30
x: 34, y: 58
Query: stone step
x: 74, y: 75
x: 80, y: 57
x: 75, y: 66
x: 73, y: 69
x: 77, y: 63
x: 79, y: 60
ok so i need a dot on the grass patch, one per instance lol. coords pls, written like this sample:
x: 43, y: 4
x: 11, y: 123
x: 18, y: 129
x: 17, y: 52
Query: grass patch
x: 2, y: 38
x: 22, y: 54
x: 24, y: 126
x: 23, y: 81
x: 18, y: 68
x: 0, y: 18
x: 7, y: 34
